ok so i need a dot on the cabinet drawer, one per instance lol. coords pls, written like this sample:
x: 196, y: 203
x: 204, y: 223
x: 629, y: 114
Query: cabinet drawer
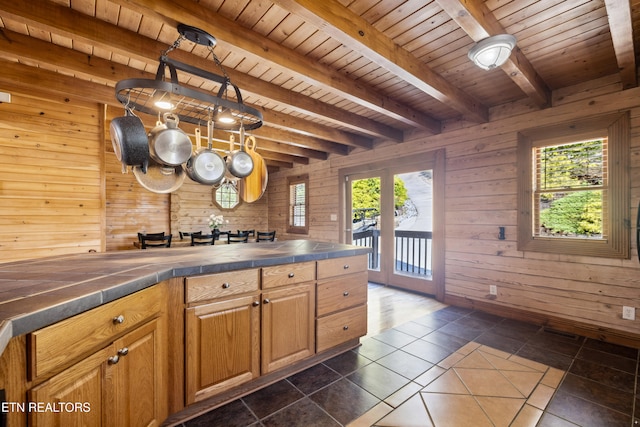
x: 341, y: 327
x: 57, y: 346
x: 339, y: 266
x: 344, y: 292
x: 288, y: 274
x: 212, y: 286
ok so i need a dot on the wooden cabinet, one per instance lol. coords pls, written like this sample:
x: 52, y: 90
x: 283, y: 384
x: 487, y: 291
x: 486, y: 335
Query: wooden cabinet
x: 342, y: 301
x: 121, y: 384
x: 222, y: 345
x: 287, y: 325
x: 235, y: 333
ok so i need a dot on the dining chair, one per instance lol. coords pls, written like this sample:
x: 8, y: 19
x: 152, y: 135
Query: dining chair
x: 149, y: 234
x: 265, y: 236
x: 251, y: 233
x: 199, y: 239
x: 237, y: 238
x: 151, y: 241
x: 184, y: 234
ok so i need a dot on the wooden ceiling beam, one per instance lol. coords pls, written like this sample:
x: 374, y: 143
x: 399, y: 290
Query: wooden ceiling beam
x: 233, y: 36
x: 27, y: 79
x: 478, y: 22
x: 295, y: 141
x: 621, y: 27
x: 16, y: 46
x: 59, y: 19
x: 355, y: 32
x: 306, y: 127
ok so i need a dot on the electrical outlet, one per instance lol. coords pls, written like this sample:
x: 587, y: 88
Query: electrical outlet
x: 628, y: 313
x: 493, y: 290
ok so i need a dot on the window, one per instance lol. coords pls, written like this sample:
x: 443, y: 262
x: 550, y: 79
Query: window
x: 298, y: 204
x: 573, y: 193
x: 569, y: 188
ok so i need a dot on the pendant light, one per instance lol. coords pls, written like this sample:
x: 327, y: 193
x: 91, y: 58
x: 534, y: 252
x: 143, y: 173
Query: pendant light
x: 493, y: 51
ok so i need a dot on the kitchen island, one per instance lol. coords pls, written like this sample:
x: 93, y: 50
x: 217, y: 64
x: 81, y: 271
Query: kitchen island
x: 194, y: 325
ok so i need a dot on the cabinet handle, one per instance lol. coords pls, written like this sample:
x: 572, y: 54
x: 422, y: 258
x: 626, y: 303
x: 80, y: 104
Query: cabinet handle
x: 123, y: 351
x: 346, y: 266
x: 225, y: 285
x: 266, y: 301
x: 345, y: 294
x: 113, y: 360
x: 118, y: 319
x: 291, y: 275
x: 345, y: 327
x: 255, y: 303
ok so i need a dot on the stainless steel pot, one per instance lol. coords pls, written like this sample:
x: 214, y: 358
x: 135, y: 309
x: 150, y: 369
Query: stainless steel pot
x: 205, y: 166
x: 168, y: 144
x: 239, y: 162
x: 130, y: 142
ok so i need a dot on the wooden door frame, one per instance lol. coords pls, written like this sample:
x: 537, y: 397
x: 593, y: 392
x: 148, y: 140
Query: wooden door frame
x: 435, y: 160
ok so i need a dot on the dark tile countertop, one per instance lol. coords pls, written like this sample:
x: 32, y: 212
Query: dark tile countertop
x: 40, y: 292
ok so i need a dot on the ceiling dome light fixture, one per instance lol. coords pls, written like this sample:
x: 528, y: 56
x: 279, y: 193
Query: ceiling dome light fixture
x: 493, y: 51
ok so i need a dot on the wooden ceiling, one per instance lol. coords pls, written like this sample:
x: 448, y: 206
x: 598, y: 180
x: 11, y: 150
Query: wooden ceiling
x: 330, y: 76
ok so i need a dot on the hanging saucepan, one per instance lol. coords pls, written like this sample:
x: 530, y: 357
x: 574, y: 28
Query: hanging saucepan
x: 239, y: 162
x: 168, y: 144
x: 254, y: 185
x: 205, y: 166
x: 130, y: 142
x: 160, y: 178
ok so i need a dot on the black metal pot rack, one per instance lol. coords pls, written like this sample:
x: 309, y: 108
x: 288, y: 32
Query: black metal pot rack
x: 190, y: 105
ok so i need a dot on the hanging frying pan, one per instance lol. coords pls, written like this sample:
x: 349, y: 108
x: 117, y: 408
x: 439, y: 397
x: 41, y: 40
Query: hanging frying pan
x: 160, y: 178
x: 130, y: 142
x: 254, y: 185
x: 168, y: 144
x: 205, y: 166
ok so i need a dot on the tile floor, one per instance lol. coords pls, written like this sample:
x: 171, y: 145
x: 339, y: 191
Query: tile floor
x: 453, y: 367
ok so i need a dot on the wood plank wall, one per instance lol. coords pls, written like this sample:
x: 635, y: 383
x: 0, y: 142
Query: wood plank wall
x: 481, y: 195
x: 51, y: 186
x: 192, y: 204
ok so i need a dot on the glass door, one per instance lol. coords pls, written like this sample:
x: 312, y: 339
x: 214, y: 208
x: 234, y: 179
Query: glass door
x: 394, y: 208
x: 365, y: 219
x: 413, y: 231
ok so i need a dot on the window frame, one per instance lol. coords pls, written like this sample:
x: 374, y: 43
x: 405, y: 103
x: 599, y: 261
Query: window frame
x: 291, y: 181
x: 616, y: 127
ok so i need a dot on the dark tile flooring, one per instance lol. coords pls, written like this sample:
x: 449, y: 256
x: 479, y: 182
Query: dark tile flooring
x: 600, y: 387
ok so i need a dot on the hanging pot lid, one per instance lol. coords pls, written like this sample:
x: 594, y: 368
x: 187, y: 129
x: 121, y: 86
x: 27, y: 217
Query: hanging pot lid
x: 160, y: 178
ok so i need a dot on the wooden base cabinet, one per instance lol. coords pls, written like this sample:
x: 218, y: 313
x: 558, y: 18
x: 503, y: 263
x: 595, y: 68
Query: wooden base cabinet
x: 222, y: 346
x: 120, y: 385
x: 287, y: 326
x: 244, y: 324
x: 342, y: 301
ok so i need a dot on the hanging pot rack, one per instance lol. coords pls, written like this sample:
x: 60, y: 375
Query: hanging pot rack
x: 190, y: 105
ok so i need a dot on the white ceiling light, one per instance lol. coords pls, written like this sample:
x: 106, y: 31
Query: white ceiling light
x: 493, y: 51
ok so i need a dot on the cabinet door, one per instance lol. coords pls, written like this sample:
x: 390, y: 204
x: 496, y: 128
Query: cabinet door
x: 138, y: 388
x: 222, y: 346
x: 287, y: 326
x: 74, y: 397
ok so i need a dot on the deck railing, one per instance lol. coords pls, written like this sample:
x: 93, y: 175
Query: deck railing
x: 412, y: 250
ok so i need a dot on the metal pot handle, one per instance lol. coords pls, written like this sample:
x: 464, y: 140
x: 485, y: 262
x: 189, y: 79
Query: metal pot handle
x: 171, y: 120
